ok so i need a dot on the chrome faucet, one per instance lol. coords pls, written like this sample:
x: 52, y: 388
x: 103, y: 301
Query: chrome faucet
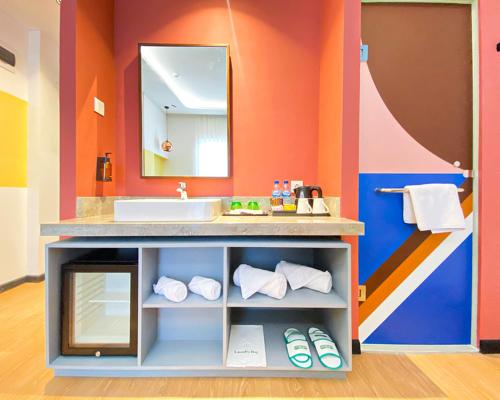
x: 182, y: 190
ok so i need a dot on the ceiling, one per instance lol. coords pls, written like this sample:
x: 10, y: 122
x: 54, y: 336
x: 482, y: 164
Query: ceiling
x: 188, y: 79
x: 41, y: 15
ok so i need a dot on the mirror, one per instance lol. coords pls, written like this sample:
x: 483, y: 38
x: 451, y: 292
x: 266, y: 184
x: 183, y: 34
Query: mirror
x: 185, y: 110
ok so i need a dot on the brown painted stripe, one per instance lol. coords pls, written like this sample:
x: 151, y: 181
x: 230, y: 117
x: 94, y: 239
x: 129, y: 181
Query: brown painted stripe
x: 402, y: 272
x: 392, y: 263
x: 408, y: 247
x: 406, y: 268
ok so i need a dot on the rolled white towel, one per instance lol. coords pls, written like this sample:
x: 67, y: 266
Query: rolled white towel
x: 252, y: 280
x: 299, y: 276
x: 173, y: 290
x: 208, y: 288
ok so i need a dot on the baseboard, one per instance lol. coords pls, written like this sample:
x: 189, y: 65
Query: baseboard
x: 356, y: 346
x: 419, y: 348
x: 489, y: 346
x: 35, y: 278
x: 19, y: 281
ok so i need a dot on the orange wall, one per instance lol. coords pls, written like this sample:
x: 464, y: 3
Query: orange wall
x: 95, y: 71
x: 275, y: 53
x: 330, y: 97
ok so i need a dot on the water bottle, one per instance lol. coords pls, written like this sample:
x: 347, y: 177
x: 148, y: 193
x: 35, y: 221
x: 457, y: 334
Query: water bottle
x: 287, y: 194
x: 276, y: 199
x: 276, y: 191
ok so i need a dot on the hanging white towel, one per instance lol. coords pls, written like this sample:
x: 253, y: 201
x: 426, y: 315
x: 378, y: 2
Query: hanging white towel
x: 173, y: 290
x: 299, y: 276
x: 433, y: 207
x: 252, y: 280
x: 208, y: 288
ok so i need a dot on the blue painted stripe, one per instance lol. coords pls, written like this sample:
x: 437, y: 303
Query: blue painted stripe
x: 439, y: 311
x: 382, y: 213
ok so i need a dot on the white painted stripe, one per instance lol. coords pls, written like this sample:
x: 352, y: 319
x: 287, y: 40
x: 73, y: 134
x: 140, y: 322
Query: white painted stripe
x: 414, y: 280
x: 418, y: 348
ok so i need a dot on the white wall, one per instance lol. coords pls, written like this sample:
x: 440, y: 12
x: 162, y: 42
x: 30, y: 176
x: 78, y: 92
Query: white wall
x: 154, y: 126
x: 189, y: 133
x: 13, y: 215
x: 34, y: 79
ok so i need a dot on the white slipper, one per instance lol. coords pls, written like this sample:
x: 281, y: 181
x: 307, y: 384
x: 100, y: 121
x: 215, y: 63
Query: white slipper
x: 297, y: 347
x: 328, y: 354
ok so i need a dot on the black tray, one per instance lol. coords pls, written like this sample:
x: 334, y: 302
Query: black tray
x: 226, y: 214
x: 295, y: 214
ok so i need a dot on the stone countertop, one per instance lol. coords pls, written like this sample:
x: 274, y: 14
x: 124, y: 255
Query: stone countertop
x: 104, y: 225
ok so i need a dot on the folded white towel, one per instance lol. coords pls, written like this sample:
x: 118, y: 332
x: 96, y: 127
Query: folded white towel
x: 170, y: 288
x: 208, y: 288
x: 433, y: 207
x: 299, y: 276
x: 253, y: 280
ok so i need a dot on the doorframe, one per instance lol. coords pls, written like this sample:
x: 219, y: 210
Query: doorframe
x: 475, y: 179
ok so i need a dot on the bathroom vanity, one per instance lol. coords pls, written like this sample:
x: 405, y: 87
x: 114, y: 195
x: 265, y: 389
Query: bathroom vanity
x: 191, y: 338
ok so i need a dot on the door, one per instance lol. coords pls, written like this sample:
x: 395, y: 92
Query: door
x: 99, y: 308
x: 415, y: 127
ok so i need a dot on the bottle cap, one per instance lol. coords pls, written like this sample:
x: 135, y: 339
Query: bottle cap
x: 276, y: 182
x: 285, y: 181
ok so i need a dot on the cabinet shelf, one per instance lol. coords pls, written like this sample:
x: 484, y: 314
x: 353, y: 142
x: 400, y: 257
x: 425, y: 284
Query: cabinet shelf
x: 192, y: 301
x: 276, y: 354
x: 197, y: 354
x: 90, y: 362
x: 191, y: 338
x: 300, y: 298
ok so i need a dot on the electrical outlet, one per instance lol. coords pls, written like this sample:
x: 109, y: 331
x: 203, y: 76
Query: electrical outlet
x: 296, y: 184
x: 99, y: 106
x: 361, y: 293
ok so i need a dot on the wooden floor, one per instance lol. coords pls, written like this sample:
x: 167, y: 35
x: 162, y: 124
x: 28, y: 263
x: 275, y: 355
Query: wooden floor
x: 376, y: 376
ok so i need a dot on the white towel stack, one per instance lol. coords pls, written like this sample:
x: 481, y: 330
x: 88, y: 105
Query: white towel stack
x: 299, y: 276
x: 433, y: 207
x: 252, y: 280
x: 173, y: 290
x: 208, y: 288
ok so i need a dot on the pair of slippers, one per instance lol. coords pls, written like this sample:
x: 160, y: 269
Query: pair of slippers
x: 299, y: 353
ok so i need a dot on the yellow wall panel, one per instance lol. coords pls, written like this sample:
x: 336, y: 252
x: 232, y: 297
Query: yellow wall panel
x: 13, y: 141
x: 154, y: 165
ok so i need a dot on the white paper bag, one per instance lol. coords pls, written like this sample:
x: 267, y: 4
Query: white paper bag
x: 246, y: 346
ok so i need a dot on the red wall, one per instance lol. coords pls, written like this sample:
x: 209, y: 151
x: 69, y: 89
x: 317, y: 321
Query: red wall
x: 489, y: 171
x: 350, y: 135
x: 275, y: 53
x: 338, y: 131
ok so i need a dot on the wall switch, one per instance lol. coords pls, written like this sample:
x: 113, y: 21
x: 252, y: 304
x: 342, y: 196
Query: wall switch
x: 361, y: 293
x: 99, y: 106
x: 296, y: 184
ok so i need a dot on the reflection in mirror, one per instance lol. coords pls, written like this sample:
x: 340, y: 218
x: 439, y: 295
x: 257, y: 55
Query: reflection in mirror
x: 185, y: 124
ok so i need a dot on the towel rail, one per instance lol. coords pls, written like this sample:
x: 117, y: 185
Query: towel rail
x: 402, y: 190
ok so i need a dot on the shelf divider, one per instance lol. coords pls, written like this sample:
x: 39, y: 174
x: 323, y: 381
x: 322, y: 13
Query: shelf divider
x: 192, y: 301
x: 300, y: 298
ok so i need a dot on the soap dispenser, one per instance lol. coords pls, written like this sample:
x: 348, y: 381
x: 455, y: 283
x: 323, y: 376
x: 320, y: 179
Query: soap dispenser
x: 104, y: 168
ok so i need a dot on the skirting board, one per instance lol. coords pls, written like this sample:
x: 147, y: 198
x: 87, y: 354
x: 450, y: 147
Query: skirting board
x: 489, y: 346
x: 20, y: 281
x: 356, y: 346
x: 419, y: 348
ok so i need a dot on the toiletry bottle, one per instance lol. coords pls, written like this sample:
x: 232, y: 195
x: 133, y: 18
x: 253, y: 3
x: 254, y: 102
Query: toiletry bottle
x: 107, y: 168
x: 276, y: 199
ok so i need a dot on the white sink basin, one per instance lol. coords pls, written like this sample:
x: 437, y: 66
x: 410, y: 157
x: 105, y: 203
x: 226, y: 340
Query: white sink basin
x: 167, y: 210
